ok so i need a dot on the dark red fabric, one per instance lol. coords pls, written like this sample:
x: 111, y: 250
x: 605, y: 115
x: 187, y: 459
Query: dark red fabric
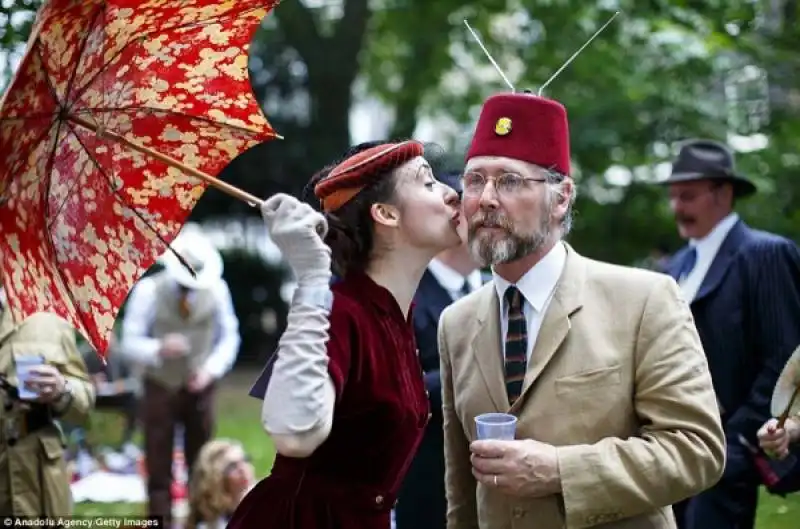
x: 351, y: 480
x: 538, y: 132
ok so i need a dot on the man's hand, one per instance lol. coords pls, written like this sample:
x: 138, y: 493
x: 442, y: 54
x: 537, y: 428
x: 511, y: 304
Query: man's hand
x: 199, y: 381
x: 174, y: 345
x: 47, y: 381
x: 525, y: 468
x: 775, y: 441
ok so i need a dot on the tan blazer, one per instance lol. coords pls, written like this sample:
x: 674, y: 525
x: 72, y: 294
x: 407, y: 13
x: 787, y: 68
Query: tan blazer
x: 33, y: 473
x: 617, y: 380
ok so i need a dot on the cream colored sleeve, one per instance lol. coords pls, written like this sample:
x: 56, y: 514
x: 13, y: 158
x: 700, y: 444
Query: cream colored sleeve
x: 298, y: 405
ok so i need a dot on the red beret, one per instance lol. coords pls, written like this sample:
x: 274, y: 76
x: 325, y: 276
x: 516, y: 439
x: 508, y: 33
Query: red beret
x: 524, y: 127
x: 361, y: 169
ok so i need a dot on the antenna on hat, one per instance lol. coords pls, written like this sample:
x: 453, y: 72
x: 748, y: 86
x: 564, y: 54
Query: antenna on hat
x: 494, y: 63
x: 596, y: 33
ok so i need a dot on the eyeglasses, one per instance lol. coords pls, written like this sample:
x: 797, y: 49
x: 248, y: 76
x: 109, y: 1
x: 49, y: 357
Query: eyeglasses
x: 506, y: 184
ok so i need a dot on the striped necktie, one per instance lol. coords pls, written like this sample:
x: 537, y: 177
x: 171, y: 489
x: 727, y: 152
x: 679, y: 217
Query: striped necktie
x: 516, y: 344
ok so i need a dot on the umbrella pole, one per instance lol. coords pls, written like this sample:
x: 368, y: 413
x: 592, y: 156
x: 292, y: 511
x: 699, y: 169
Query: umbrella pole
x: 225, y: 187
x: 788, y: 410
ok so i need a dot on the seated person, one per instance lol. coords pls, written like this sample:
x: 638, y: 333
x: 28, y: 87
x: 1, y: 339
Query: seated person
x: 221, y: 478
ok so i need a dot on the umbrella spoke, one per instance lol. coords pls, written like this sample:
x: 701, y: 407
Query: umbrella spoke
x: 68, y: 99
x: 125, y: 201
x: 75, y: 181
x: 118, y: 118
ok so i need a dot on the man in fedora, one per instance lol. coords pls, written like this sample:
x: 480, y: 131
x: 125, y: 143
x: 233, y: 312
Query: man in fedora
x: 743, y: 287
x: 616, y: 418
x: 182, y: 329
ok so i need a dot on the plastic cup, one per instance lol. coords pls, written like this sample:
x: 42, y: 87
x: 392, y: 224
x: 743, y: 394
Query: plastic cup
x: 24, y: 365
x: 501, y: 426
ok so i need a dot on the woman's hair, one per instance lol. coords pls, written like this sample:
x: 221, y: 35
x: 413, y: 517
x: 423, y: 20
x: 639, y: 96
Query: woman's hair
x: 351, y: 231
x: 209, y: 498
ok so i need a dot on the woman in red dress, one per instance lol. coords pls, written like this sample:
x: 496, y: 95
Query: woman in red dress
x: 345, y: 403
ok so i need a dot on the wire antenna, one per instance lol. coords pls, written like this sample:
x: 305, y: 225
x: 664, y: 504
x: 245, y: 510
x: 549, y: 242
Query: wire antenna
x: 574, y: 55
x: 485, y: 51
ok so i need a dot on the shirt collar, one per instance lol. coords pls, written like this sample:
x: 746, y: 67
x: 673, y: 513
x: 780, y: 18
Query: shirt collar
x: 538, y: 283
x: 709, y: 244
x: 452, y: 280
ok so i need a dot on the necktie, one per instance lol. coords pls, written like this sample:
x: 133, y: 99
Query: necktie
x: 183, y: 303
x: 464, y: 289
x: 687, y: 265
x: 516, y: 344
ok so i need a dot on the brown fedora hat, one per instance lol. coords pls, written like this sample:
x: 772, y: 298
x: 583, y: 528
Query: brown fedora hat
x: 708, y: 160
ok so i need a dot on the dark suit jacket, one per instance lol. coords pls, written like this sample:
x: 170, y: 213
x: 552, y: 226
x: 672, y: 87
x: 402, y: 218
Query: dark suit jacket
x: 747, y: 312
x: 422, y: 503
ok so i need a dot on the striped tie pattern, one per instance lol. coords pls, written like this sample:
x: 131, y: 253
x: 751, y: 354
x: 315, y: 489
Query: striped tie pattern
x: 516, y: 344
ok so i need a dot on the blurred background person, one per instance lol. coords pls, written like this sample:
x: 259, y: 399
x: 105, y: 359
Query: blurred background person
x: 451, y: 275
x: 743, y: 286
x: 221, y: 477
x: 182, y: 329
x: 33, y: 471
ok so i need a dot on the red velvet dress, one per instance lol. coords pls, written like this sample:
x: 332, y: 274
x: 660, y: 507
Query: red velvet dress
x: 351, y: 480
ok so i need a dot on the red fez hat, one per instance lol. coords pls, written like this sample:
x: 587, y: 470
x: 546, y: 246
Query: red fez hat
x: 524, y: 127
x: 358, y: 171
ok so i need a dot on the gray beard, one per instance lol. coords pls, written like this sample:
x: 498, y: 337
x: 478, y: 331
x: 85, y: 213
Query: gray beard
x: 488, y: 251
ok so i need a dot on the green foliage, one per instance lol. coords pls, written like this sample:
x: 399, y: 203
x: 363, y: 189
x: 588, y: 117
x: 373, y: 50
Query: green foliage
x: 656, y: 76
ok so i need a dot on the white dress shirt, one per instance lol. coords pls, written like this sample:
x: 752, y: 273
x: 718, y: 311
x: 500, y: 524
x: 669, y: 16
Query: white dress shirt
x: 537, y: 287
x: 140, y: 347
x: 706, y: 249
x: 452, y: 281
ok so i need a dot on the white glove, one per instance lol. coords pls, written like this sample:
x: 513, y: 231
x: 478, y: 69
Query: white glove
x: 298, y: 231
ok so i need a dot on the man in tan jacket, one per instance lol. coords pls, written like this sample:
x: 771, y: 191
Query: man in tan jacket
x: 601, y: 364
x: 33, y: 476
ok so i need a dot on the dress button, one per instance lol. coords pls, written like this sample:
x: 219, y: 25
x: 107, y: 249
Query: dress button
x: 378, y: 500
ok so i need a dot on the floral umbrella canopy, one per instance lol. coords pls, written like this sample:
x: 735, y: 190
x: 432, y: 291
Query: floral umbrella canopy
x: 119, y: 116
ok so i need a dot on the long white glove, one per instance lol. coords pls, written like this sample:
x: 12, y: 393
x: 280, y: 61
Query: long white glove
x: 299, y: 400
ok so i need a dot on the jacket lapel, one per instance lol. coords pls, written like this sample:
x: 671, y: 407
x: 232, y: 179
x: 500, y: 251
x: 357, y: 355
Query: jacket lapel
x: 567, y: 299
x: 722, y: 261
x: 432, y: 296
x: 486, y: 347
x: 675, y: 262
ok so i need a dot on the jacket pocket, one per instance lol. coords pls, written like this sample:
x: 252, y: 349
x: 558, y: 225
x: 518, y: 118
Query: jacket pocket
x: 589, y: 380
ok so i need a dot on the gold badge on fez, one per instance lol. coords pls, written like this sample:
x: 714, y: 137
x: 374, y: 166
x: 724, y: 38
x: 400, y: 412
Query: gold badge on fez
x: 785, y: 402
x: 503, y: 126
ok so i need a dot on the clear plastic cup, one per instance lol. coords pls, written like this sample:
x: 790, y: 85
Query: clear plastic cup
x: 24, y: 365
x: 501, y: 426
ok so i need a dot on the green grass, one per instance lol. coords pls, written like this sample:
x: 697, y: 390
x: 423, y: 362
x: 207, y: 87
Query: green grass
x: 238, y: 418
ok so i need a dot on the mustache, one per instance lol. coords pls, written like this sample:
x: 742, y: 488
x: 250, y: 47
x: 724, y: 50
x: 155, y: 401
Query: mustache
x: 490, y: 220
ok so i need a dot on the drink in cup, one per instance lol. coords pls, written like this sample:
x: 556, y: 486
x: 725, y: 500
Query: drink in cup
x: 501, y: 426
x: 24, y: 364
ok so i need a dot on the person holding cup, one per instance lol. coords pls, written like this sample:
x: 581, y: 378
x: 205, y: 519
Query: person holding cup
x: 44, y: 381
x: 575, y: 393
